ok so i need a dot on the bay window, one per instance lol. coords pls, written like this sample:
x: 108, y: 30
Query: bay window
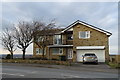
x: 57, y: 50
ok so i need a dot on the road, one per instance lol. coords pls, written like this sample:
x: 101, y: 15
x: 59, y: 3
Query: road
x: 12, y: 71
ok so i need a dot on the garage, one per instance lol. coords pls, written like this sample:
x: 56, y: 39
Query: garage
x: 99, y: 51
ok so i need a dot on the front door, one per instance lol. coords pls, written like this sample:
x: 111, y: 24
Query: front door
x: 70, y: 53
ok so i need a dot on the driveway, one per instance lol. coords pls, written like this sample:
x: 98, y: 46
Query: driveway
x: 91, y: 65
x: 101, y: 67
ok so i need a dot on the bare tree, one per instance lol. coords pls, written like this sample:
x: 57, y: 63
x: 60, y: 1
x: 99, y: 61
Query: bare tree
x: 42, y: 32
x: 8, y: 41
x: 23, y: 35
x: 37, y: 32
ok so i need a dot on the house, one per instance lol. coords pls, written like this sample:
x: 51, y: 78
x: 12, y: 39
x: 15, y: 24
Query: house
x: 74, y: 41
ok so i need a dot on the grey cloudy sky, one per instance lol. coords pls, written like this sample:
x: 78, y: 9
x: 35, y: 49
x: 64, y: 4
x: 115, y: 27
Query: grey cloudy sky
x: 100, y: 14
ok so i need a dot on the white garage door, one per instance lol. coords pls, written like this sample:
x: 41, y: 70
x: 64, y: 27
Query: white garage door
x: 99, y: 53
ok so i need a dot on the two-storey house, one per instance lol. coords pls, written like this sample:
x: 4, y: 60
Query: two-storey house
x: 75, y: 40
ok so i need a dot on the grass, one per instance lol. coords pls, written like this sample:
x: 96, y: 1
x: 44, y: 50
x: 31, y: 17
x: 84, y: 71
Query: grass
x: 114, y: 65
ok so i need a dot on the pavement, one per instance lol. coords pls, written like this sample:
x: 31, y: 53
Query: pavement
x: 78, y: 70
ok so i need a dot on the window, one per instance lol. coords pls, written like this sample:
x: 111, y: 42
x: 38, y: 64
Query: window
x: 84, y: 34
x: 39, y: 51
x: 41, y: 38
x: 60, y: 50
x: 70, y: 37
x: 57, y: 50
x: 57, y: 39
x: 89, y: 54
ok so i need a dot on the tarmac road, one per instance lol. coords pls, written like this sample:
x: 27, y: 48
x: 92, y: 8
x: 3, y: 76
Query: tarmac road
x: 15, y: 71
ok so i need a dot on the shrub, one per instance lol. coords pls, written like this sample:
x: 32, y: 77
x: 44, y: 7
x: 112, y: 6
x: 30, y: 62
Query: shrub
x: 36, y: 61
x: 8, y: 56
x: 114, y: 65
x: 55, y: 59
x: 62, y: 58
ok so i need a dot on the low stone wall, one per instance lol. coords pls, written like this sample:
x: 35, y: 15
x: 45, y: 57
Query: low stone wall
x: 115, y: 58
x: 118, y: 59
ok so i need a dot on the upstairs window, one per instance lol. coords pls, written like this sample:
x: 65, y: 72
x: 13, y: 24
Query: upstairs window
x: 57, y: 39
x: 84, y: 34
x: 69, y: 37
x: 42, y: 38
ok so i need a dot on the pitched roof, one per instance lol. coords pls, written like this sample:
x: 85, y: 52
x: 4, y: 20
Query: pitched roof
x: 88, y: 25
x: 49, y: 31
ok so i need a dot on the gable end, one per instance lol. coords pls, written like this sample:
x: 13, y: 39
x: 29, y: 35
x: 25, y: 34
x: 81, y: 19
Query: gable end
x: 88, y: 25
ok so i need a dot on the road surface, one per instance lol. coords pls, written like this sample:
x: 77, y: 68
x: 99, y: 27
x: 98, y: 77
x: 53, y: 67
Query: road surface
x: 12, y: 71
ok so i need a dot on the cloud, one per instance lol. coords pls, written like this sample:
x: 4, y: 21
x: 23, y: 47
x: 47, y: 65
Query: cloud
x: 60, y: 0
x: 108, y: 21
x: 103, y: 15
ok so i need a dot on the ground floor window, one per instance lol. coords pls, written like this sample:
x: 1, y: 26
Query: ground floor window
x: 39, y: 51
x: 57, y: 51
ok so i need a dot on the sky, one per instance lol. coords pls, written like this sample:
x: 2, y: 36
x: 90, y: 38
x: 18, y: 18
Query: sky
x: 103, y: 15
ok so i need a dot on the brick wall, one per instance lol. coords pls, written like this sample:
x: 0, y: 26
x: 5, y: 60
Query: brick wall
x: 96, y: 39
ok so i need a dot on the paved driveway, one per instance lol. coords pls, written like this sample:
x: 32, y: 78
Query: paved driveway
x: 91, y: 65
x: 101, y: 67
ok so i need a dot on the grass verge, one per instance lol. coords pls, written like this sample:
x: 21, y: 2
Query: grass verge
x: 114, y: 65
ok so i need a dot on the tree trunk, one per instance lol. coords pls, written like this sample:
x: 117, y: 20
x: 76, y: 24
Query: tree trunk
x: 23, y: 54
x: 11, y: 55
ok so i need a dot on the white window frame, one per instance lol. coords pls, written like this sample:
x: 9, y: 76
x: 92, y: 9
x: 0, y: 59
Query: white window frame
x: 57, y: 41
x: 87, y: 33
x: 38, y: 53
x: 59, y: 52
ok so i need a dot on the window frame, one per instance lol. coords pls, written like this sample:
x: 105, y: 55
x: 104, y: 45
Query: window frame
x: 87, y: 35
x: 70, y: 35
x: 58, y: 51
x: 39, y: 51
x: 57, y: 39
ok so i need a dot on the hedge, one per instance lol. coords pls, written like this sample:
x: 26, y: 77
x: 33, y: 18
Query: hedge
x: 36, y: 61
